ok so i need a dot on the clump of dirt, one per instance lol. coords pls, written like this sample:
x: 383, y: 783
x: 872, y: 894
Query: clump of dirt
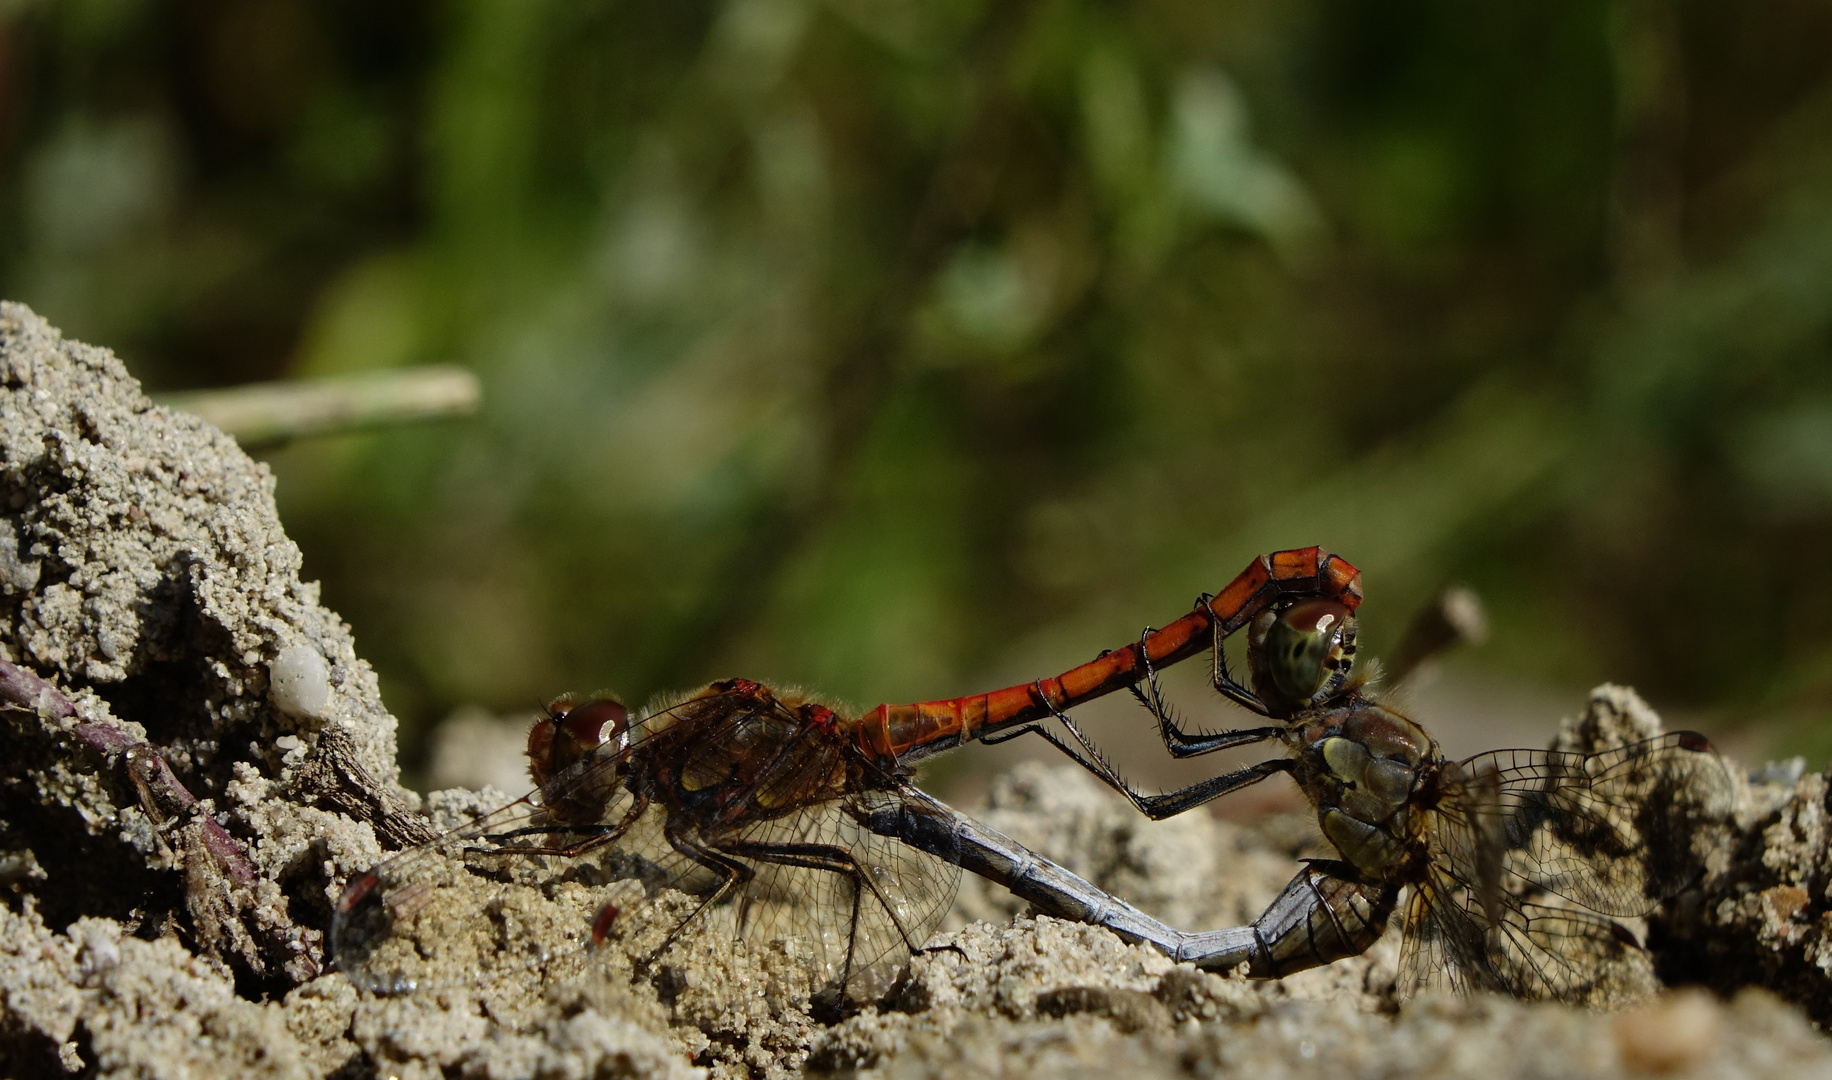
x: 198, y: 761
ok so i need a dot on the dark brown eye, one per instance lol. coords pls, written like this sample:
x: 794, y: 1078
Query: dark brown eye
x: 1309, y: 649
x: 593, y: 723
x: 570, y: 731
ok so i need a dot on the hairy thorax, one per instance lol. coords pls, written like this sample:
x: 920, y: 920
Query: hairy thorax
x: 1362, y: 764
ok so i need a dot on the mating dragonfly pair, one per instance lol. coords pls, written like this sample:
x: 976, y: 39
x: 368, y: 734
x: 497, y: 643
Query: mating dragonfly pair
x: 781, y: 820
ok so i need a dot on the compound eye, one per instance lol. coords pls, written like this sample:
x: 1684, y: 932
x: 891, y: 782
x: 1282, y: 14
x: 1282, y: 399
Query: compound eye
x: 570, y: 731
x: 1309, y: 649
x: 594, y: 722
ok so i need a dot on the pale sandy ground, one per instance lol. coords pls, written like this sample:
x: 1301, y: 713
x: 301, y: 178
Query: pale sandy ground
x: 145, y: 577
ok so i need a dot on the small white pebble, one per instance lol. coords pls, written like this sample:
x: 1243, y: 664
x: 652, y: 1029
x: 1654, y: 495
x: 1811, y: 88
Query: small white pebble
x: 299, y: 683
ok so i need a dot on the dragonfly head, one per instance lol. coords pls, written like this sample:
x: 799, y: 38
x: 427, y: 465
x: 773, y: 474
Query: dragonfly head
x: 569, y: 731
x: 1302, y: 655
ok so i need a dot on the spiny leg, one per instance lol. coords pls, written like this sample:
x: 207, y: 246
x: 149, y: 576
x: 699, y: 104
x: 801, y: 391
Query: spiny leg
x: 829, y: 857
x: 595, y: 836
x: 833, y: 859
x: 1218, y: 666
x: 1180, y: 743
x: 733, y: 875
x: 1163, y: 805
x: 1152, y: 697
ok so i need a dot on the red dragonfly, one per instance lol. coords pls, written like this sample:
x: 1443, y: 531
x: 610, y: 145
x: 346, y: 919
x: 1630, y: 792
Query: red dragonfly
x: 783, y: 817
x: 788, y: 821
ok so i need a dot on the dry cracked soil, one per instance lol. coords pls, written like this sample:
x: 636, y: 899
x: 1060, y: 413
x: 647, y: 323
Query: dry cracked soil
x: 197, y: 760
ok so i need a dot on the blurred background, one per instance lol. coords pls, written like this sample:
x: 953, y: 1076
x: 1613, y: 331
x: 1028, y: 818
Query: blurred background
x: 904, y: 349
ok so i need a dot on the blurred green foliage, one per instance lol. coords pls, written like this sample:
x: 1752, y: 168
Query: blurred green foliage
x: 898, y: 347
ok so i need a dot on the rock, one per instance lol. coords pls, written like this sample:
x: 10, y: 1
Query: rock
x: 300, y: 683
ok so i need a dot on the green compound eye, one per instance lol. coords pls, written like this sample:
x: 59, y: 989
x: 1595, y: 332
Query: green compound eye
x: 1309, y: 649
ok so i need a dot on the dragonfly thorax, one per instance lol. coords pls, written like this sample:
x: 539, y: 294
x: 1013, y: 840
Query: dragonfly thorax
x: 776, y: 751
x: 1362, y: 764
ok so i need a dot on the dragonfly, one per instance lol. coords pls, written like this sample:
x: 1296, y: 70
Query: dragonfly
x: 788, y: 820
x: 1509, y: 871
x: 783, y: 818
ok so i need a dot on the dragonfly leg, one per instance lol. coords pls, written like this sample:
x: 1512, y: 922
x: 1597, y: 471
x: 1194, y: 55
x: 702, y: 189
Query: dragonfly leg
x: 732, y: 873
x: 1171, y: 803
x: 1084, y: 754
x: 1176, y: 740
x: 1179, y: 742
x: 1165, y: 804
x: 834, y: 859
x: 1219, y: 676
x: 594, y: 836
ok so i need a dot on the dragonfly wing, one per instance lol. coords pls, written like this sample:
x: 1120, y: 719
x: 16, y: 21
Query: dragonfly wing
x: 1532, y: 951
x: 1563, y: 954
x: 472, y: 905
x: 1442, y: 948
x: 854, y: 902
x: 492, y: 897
x: 1616, y: 832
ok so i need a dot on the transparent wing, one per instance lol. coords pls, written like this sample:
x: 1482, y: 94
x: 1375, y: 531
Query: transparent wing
x: 478, y: 902
x: 851, y: 903
x: 517, y: 888
x: 1425, y: 950
x: 1615, y: 832
x: 732, y: 801
x: 1532, y: 951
